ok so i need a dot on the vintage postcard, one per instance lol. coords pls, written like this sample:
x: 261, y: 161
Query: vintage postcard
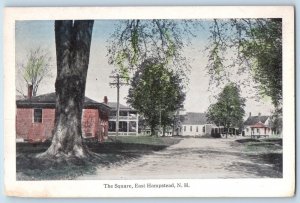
x: 149, y: 102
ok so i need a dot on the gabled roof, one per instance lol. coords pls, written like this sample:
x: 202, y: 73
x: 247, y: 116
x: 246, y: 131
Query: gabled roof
x: 193, y: 118
x: 113, y: 106
x: 258, y: 125
x: 48, y: 101
x: 252, y: 120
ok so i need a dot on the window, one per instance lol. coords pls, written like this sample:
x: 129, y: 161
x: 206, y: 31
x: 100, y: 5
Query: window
x: 133, y: 115
x: 196, y: 128
x: 112, y: 113
x: 257, y: 130
x: 132, y: 126
x: 184, y: 128
x: 122, y: 126
x: 111, y: 126
x: 191, y: 128
x: 123, y: 113
x: 203, y: 129
x: 37, y: 115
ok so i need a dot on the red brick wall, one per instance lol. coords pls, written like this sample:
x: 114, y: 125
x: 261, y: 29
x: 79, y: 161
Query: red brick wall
x: 23, y: 122
x: 94, y: 124
x: 90, y: 122
x: 26, y: 129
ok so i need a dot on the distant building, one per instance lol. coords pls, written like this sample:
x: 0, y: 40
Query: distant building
x: 128, y: 120
x: 256, y: 126
x: 193, y: 124
x: 35, y: 117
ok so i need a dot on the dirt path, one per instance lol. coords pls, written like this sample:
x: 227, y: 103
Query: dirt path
x: 191, y: 158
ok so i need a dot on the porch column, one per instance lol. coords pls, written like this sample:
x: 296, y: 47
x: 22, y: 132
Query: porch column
x: 137, y: 124
x: 128, y: 122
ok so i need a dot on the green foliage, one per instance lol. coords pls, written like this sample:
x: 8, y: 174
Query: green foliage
x: 265, y: 52
x: 276, y: 121
x: 134, y: 41
x: 229, y: 109
x: 156, y: 93
x: 256, y: 47
x: 36, y: 68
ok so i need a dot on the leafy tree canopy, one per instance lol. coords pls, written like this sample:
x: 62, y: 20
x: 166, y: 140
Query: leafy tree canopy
x: 249, y: 45
x: 156, y: 93
x: 134, y: 41
x: 228, y: 111
x: 35, y: 69
x: 257, y: 48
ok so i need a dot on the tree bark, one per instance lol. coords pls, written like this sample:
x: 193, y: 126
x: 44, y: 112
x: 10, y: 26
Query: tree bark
x: 152, y: 127
x: 73, y: 41
x: 164, y: 131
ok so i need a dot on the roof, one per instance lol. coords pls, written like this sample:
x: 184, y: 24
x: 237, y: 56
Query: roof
x: 252, y: 120
x: 48, y: 101
x: 193, y: 118
x: 19, y: 97
x: 113, y: 106
x: 258, y: 125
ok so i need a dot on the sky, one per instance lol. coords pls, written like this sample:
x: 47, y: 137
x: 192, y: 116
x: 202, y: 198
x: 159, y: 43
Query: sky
x: 33, y: 34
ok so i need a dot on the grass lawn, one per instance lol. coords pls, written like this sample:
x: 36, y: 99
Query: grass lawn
x: 267, y: 151
x: 116, y: 150
x: 147, y: 140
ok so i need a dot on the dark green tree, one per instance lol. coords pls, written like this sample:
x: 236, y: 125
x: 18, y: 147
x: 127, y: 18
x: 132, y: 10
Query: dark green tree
x: 228, y: 111
x: 156, y: 93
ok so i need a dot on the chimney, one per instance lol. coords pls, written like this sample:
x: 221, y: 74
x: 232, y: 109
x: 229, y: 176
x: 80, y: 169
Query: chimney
x: 105, y: 100
x: 29, y: 94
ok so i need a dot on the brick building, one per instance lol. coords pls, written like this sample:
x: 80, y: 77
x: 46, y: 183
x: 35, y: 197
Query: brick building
x: 35, y: 118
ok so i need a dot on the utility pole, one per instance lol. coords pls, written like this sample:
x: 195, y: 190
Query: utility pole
x: 117, y: 83
x: 159, y: 132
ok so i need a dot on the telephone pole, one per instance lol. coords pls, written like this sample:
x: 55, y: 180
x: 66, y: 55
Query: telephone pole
x: 117, y: 83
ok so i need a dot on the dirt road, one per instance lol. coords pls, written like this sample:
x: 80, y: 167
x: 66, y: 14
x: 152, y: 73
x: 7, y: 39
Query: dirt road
x: 191, y: 158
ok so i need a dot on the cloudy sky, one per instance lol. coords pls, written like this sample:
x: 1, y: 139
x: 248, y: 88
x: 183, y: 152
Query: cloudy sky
x: 33, y: 34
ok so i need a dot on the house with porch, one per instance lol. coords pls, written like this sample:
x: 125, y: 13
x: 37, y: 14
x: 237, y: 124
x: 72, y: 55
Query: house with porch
x: 257, y: 126
x: 128, y: 120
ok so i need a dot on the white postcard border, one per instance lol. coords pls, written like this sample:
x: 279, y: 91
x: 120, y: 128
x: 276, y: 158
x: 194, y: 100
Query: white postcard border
x: 198, y: 187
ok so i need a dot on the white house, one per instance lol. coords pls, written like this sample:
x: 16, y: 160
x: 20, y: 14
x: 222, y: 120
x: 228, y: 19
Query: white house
x: 194, y: 124
x: 257, y: 126
x: 128, y: 120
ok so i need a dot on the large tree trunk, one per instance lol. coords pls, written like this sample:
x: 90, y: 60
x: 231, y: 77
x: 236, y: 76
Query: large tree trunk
x: 152, y: 128
x: 164, y: 131
x: 73, y: 41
